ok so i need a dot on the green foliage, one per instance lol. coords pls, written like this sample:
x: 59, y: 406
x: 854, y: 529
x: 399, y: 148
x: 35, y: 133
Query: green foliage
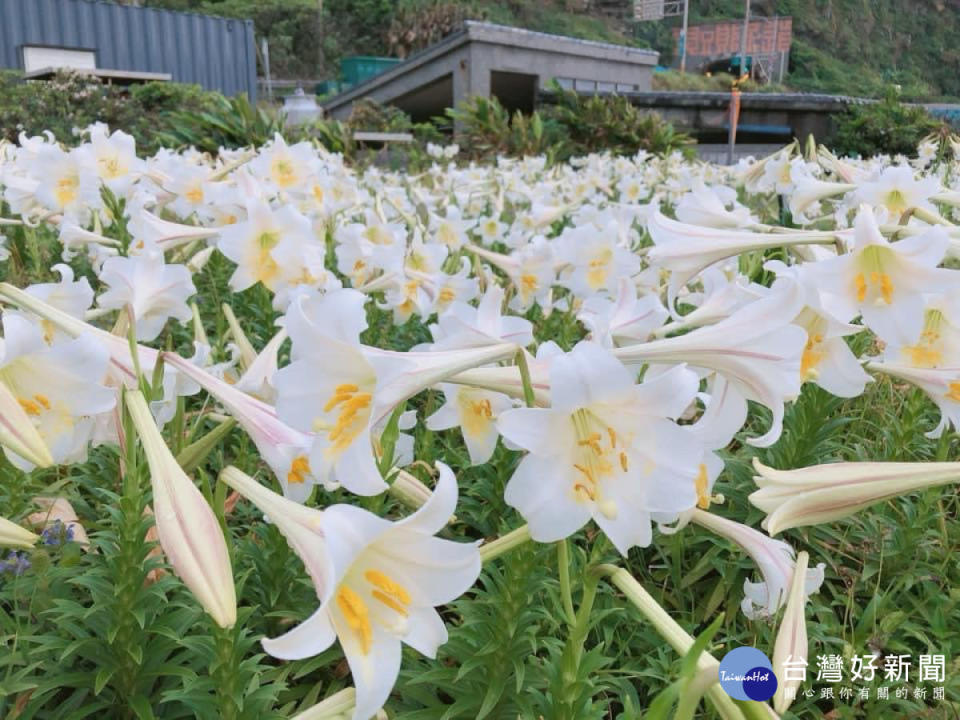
x: 228, y: 123
x: 573, y: 125
x: 598, y: 123
x: 71, y: 101
x: 887, y: 126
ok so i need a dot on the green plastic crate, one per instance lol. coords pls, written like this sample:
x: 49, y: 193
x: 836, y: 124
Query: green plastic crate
x: 360, y: 68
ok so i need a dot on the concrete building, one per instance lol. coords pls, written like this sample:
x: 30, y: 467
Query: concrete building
x: 122, y: 43
x: 508, y: 63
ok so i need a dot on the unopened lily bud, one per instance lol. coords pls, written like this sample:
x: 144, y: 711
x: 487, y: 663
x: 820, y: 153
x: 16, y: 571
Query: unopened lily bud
x: 189, y: 531
x: 12, y: 535
x: 791, y: 647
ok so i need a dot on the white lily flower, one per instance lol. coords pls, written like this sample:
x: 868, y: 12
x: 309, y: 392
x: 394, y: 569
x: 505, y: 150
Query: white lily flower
x: 18, y: 435
x: 828, y: 492
x: 344, y: 392
x: 897, y: 190
x: 605, y: 449
x: 58, y: 387
x: 629, y: 320
x: 378, y: 581
x: 774, y: 558
x: 707, y: 207
x: 475, y: 412
x: 756, y: 350
x: 149, y: 231
x: 885, y: 282
x: 463, y: 326
x: 686, y: 250
x: 282, y: 447
x: 810, y: 191
x: 154, y: 290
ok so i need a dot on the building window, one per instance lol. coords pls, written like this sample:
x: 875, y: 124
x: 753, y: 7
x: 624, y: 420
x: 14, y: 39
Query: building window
x: 38, y: 58
x: 585, y: 85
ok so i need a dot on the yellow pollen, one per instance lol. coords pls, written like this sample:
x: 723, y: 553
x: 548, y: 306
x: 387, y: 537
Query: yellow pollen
x: 529, y: 283
x: 593, y: 442
x: 954, y: 392
x: 812, y: 356
x: 30, y: 407
x: 613, y: 437
x: 447, y: 295
x: 390, y: 602
x: 861, y: 287
x: 587, y: 474
x: 194, y: 195
x: 357, y: 615
x: 623, y: 462
x: 581, y: 489
x: 43, y: 400
x: 703, y: 500
x: 886, y: 288
x: 388, y: 585
x: 351, y: 418
x: 299, y: 469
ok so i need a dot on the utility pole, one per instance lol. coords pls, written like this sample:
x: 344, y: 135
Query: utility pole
x: 735, y: 91
x: 743, y: 38
x: 683, y: 36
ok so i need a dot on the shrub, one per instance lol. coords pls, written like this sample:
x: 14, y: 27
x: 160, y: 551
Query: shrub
x: 597, y: 123
x: 72, y: 100
x: 887, y: 126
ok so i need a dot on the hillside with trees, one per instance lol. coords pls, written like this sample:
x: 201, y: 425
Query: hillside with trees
x: 846, y: 46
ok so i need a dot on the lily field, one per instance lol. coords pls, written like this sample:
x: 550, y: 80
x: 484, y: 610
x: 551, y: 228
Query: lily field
x: 286, y: 437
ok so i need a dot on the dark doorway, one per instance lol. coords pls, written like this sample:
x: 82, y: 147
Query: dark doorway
x: 515, y: 91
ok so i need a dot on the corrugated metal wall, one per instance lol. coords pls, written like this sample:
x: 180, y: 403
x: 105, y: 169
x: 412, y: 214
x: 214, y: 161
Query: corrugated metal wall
x: 217, y: 53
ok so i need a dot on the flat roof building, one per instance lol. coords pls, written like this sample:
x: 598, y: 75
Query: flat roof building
x: 508, y: 63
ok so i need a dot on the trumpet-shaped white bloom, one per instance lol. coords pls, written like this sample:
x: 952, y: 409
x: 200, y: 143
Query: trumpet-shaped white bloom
x: 378, y: 582
x: 344, y: 392
x: 896, y: 190
x: 774, y: 558
x: 58, y: 386
x: 606, y: 448
x: 883, y: 281
x: 757, y: 352
x: 154, y: 290
x: 475, y: 412
x: 630, y: 319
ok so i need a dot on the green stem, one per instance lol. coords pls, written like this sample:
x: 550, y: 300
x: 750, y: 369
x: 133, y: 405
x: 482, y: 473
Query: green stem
x: 496, y: 548
x: 680, y: 640
x: 528, y: 397
x: 563, y: 563
x: 224, y: 673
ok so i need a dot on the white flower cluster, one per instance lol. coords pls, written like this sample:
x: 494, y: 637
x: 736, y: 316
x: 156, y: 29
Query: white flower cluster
x: 658, y: 262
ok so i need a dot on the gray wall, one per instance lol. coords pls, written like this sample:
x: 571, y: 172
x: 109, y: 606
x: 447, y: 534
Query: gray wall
x: 216, y: 53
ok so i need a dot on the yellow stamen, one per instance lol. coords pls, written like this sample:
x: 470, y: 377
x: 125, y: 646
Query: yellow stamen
x: 30, y: 407
x: 861, y: 287
x: 613, y: 437
x: 703, y: 500
x: 357, y: 615
x: 623, y: 461
x: 388, y: 585
x: 811, y: 358
x: 390, y: 602
x: 299, y: 469
x: 954, y: 392
x: 886, y: 288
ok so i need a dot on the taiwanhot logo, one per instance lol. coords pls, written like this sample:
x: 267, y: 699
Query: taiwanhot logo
x: 747, y: 674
